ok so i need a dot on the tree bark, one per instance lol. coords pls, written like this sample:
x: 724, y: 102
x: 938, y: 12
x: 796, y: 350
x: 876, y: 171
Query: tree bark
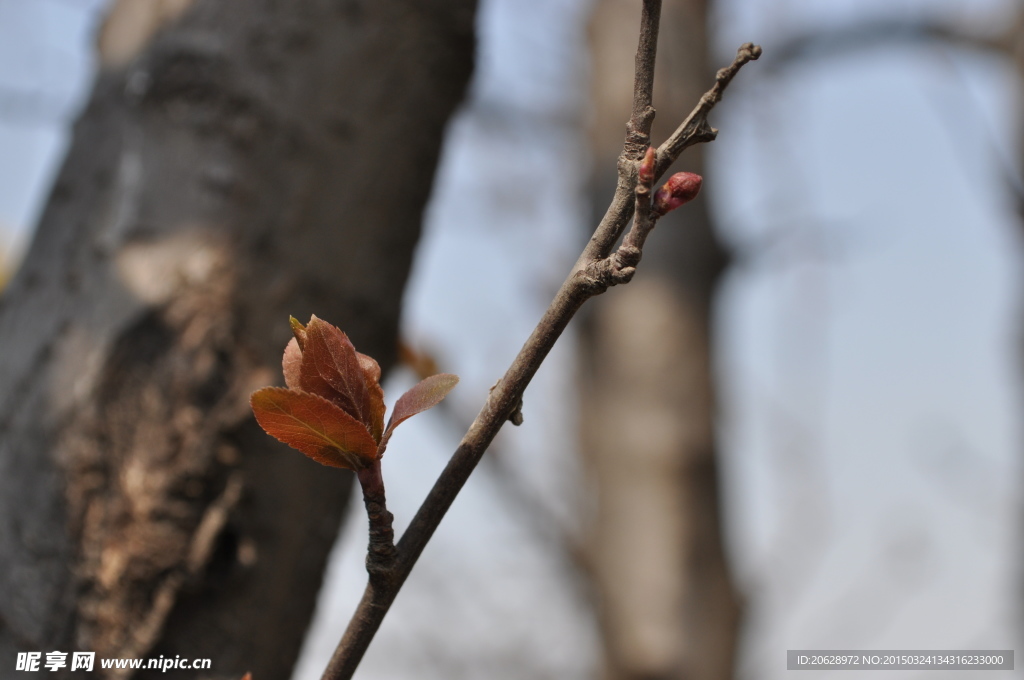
x: 243, y: 161
x: 668, y: 607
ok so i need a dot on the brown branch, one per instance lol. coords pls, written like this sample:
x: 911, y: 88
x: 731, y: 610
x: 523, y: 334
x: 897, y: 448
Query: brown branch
x: 593, y: 273
x: 695, y: 129
x: 845, y: 40
x: 536, y: 513
x: 381, y: 553
x: 638, y: 129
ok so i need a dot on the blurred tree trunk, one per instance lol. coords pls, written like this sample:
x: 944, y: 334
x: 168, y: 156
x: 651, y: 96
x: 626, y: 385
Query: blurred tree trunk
x: 668, y: 607
x: 238, y: 161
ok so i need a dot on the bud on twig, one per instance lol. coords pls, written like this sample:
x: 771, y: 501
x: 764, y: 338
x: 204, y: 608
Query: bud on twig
x: 645, y: 173
x: 680, y: 188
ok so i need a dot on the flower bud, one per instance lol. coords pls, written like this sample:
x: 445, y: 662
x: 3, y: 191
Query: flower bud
x: 680, y: 188
x: 646, y: 171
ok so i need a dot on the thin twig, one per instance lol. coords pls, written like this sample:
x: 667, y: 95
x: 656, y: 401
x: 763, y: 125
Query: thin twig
x: 695, y: 128
x: 593, y: 273
x: 538, y: 515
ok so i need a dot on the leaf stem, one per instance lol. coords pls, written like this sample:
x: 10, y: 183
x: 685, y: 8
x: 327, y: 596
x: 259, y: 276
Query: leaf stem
x: 381, y: 553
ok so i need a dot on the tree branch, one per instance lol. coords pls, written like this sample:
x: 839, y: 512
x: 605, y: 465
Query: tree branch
x: 690, y: 132
x: 695, y: 129
x: 593, y: 273
x: 850, y: 39
x: 638, y: 130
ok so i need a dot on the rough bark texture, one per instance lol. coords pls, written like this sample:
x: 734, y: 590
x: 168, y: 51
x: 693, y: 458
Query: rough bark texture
x: 247, y: 160
x: 667, y: 602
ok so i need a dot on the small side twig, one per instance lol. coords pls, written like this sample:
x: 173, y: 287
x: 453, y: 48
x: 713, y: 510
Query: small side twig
x: 695, y: 129
x: 596, y: 270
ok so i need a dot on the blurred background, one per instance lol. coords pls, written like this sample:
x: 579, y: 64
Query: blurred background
x: 797, y: 428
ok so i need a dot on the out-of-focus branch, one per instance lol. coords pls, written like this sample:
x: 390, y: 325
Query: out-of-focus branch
x: 882, y: 32
x: 844, y: 40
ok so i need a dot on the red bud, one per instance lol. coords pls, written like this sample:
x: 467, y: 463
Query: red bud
x: 646, y: 170
x: 680, y: 188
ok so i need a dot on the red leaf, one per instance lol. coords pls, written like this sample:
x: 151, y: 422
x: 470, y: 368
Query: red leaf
x: 425, y: 394
x: 314, y: 426
x: 291, y: 364
x: 370, y: 367
x: 374, y: 394
x: 330, y: 369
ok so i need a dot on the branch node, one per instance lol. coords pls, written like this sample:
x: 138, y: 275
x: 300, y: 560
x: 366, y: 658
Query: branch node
x: 595, y: 278
x: 617, y: 268
x: 624, y: 275
x: 626, y: 257
x: 516, y: 417
x: 638, y: 137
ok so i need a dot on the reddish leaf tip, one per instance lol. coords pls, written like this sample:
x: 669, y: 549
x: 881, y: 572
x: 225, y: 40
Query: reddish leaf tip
x: 299, y: 331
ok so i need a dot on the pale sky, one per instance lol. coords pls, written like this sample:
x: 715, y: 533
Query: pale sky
x: 869, y: 363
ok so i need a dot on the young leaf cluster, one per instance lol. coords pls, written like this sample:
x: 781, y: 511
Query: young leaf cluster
x: 332, y: 409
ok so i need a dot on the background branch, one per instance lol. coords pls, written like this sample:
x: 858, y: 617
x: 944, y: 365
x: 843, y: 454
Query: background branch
x: 890, y: 31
